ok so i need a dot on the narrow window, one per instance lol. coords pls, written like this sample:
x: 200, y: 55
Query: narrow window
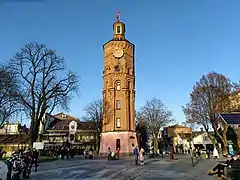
x: 118, y: 123
x: 117, y: 144
x: 118, y: 105
x: 118, y: 86
x: 118, y: 29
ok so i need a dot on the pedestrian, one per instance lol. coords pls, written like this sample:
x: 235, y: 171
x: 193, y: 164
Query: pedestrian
x: 109, y: 153
x: 136, y: 154
x: 90, y: 153
x: 118, y: 153
x: 35, y: 159
x: 141, y: 156
x: 85, y: 154
x: 3, y: 170
x: 208, y: 154
x: 215, y: 153
x: 9, y: 162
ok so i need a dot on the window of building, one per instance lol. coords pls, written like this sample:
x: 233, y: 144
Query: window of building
x: 118, y: 123
x: 118, y: 29
x: 117, y: 144
x: 118, y: 106
x: 118, y: 86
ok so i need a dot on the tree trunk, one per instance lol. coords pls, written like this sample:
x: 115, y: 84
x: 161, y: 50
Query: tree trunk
x: 212, y: 139
x: 97, y: 144
x: 155, y: 144
x: 237, y: 131
x: 224, y: 140
x: 34, y: 129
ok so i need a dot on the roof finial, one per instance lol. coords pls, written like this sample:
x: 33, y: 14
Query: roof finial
x: 118, y: 15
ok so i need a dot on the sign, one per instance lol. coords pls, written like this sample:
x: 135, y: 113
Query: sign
x: 230, y: 147
x: 38, y: 145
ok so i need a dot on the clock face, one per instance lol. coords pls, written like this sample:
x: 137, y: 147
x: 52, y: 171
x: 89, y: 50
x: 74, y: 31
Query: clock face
x: 118, y: 53
x: 72, y: 127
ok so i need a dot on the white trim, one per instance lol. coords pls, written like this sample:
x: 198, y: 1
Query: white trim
x: 119, y: 132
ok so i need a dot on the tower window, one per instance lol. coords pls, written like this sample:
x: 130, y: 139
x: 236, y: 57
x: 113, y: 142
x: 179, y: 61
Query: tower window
x: 118, y: 29
x: 118, y: 86
x: 118, y: 105
x: 118, y: 123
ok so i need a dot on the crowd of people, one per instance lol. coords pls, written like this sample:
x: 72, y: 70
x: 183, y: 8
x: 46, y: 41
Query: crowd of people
x: 230, y: 168
x: 21, y: 162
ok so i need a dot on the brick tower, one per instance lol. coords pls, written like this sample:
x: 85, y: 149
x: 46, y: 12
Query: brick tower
x: 118, y: 128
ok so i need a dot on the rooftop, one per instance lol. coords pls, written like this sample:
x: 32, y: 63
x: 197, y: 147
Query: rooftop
x: 231, y: 118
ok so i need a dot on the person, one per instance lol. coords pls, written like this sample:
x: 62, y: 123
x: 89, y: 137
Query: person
x: 90, y: 153
x: 109, y: 153
x: 232, y: 163
x: 198, y: 152
x: 118, y: 153
x: 35, y: 159
x: 85, y: 153
x: 208, y: 154
x: 3, y: 171
x: 136, y: 154
x: 215, y: 153
x: 141, y: 156
x: 9, y: 162
x: 27, y: 159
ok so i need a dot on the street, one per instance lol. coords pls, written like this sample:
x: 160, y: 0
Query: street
x: 123, y: 169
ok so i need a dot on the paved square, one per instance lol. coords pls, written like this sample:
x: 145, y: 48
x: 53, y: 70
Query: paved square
x: 124, y: 169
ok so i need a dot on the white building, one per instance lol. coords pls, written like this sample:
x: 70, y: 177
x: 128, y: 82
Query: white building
x: 202, y: 139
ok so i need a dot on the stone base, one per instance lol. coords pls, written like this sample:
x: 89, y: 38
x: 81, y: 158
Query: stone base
x: 128, y: 141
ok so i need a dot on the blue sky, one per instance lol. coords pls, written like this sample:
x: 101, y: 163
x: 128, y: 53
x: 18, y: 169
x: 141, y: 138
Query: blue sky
x: 176, y: 41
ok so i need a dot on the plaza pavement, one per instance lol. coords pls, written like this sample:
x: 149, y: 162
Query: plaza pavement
x: 123, y: 169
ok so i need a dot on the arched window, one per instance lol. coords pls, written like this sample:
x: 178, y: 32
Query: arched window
x: 106, y: 85
x: 118, y: 30
x: 128, y: 84
x: 118, y: 123
x: 118, y: 86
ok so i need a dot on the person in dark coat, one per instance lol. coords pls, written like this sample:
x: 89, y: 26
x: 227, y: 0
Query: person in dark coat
x: 35, y: 159
x: 232, y: 164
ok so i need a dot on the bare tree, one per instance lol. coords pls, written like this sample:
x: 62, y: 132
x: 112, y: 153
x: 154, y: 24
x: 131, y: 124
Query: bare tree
x: 210, y: 96
x: 94, y: 113
x: 8, y: 94
x: 156, y: 116
x: 44, y: 82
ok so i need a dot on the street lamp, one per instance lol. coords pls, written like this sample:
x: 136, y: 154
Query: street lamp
x: 19, y: 136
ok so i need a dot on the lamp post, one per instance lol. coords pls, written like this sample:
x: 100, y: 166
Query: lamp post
x: 171, y: 150
x: 19, y: 137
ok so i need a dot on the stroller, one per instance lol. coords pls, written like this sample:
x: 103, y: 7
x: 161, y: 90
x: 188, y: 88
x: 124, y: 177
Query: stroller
x: 113, y: 156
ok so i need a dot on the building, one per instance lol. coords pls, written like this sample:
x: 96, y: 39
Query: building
x: 13, y: 136
x: 118, y: 129
x: 201, y: 140
x: 62, y: 129
x: 230, y: 124
x: 178, y: 135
